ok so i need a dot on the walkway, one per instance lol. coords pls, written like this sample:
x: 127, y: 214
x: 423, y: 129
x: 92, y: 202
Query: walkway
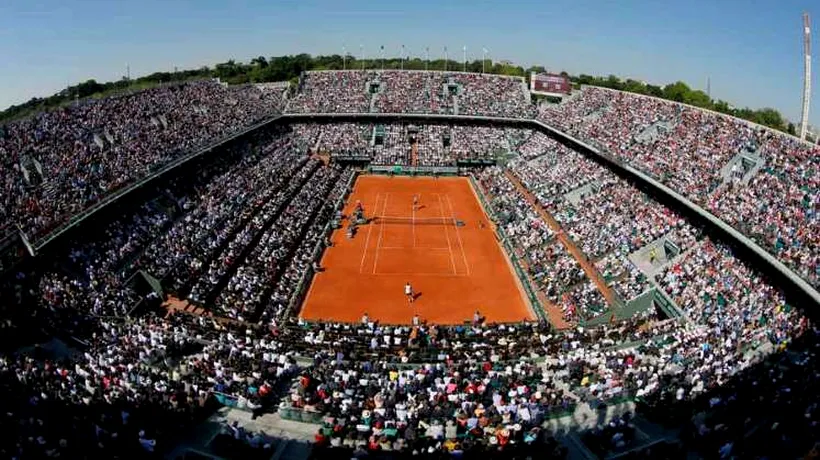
x: 590, y: 270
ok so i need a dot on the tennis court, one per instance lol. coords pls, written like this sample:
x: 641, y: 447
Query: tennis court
x: 442, y: 245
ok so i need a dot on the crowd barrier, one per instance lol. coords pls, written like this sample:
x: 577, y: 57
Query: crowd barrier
x: 231, y: 401
x: 414, y: 170
x: 299, y: 415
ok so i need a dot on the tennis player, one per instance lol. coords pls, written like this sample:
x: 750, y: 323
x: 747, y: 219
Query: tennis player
x: 408, y: 291
x: 415, y: 201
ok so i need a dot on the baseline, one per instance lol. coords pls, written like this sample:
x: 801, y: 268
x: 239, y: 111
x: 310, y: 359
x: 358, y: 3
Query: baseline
x: 385, y: 248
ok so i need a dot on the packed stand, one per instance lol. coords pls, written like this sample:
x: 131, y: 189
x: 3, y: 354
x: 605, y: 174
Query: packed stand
x: 304, y: 261
x: 690, y: 150
x: 134, y: 388
x: 465, y: 408
x: 476, y: 387
x: 337, y: 139
x: 224, y: 207
x: 556, y: 273
x: 780, y: 206
x: 96, y: 276
x: 56, y: 164
x: 412, y: 91
x: 256, y: 275
x: 493, y: 95
x: 717, y: 290
x: 609, y: 220
x: 231, y: 248
x: 408, y: 144
x: 332, y: 92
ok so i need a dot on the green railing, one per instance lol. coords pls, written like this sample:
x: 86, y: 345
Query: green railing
x: 298, y: 415
x: 414, y: 170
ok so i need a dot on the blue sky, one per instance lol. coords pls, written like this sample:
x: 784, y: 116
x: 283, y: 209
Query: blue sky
x: 751, y: 50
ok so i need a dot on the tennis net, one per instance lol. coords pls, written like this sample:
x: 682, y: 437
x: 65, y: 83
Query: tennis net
x: 418, y: 220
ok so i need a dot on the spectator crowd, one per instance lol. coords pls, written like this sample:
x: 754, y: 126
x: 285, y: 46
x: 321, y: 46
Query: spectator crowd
x: 56, y: 164
x: 412, y: 91
x: 408, y: 144
x: 238, y: 237
x: 762, y: 182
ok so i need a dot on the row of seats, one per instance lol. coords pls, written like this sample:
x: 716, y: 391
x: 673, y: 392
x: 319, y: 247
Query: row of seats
x: 763, y: 183
x: 393, y: 91
x: 404, y: 144
x: 55, y: 164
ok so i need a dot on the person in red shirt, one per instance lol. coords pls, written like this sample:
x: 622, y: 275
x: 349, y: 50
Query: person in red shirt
x: 319, y: 438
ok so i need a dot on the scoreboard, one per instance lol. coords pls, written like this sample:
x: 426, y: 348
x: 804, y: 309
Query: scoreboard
x: 550, y: 83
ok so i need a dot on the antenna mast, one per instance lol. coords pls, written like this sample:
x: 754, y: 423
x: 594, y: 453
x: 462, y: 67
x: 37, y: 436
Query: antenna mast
x: 806, y: 75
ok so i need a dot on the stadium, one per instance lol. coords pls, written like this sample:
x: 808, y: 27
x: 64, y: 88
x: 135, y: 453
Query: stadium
x: 403, y: 262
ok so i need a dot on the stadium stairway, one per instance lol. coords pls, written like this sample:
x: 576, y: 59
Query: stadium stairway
x: 750, y: 163
x: 318, y: 142
x: 590, y: 270
x: 373, y: 101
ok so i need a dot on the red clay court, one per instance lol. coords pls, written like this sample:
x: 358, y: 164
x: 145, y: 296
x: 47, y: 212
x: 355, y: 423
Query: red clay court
x: 454, y: 269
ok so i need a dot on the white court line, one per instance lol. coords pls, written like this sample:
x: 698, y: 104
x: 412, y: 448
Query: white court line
x: 444, y: 275
x: 426, y: 248
x: 381, y: 230
x: 413, y: 221
x: 369, y: 229
x: 458, y: 234
x: 447, y: 234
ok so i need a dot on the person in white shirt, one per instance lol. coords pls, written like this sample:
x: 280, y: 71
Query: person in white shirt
x: 408, y: 291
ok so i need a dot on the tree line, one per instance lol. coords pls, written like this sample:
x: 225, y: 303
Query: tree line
x: 288, y: 68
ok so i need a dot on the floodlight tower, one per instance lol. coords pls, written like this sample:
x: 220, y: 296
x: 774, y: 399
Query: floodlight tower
x: 806, y: 75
